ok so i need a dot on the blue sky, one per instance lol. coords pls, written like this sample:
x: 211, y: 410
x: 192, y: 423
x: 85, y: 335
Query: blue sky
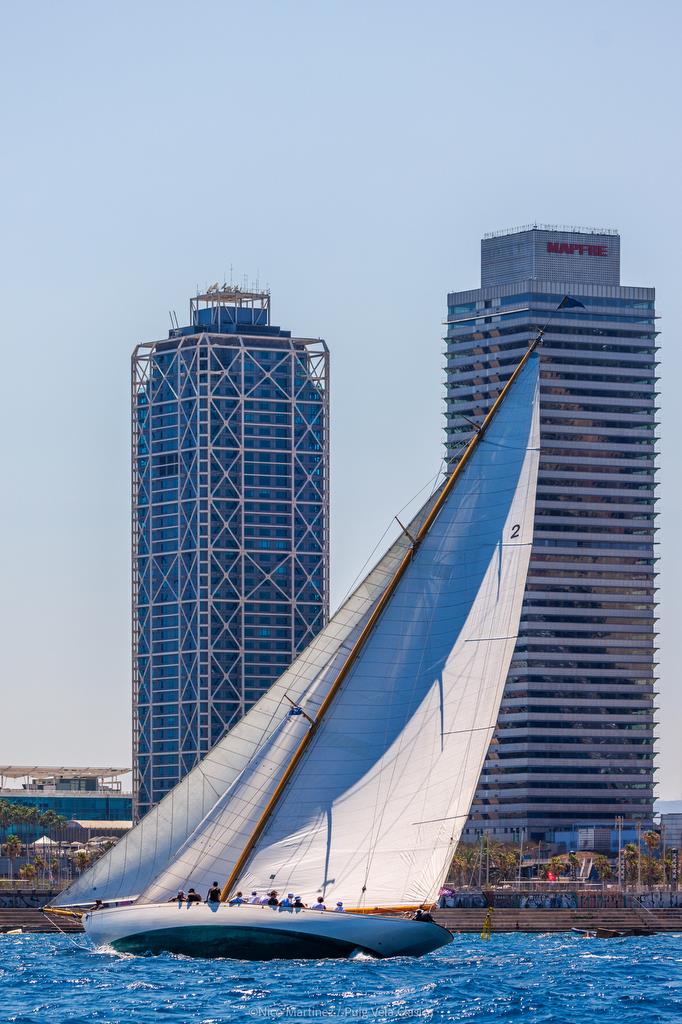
x: 350, y: 155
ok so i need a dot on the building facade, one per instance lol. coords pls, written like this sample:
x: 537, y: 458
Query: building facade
x: 89, y: 799
x: 574, y: 744
x: 230, y: 524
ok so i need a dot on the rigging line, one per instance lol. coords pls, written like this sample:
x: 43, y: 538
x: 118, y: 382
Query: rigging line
x: 373, y: 619
x: 432, y: 821
x: 79, y: 945
x: 214, y: 833
x: 433, y: 483
x: 356, y: 582
x: 457, y: 732
x: 207, y: 840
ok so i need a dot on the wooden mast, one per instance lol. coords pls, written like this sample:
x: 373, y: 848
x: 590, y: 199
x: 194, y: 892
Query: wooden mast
x: 371, y: 622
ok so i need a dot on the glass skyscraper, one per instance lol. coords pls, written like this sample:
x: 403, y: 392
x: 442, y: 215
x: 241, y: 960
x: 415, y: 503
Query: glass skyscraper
x: 574, y: 743
x: 230, y: 524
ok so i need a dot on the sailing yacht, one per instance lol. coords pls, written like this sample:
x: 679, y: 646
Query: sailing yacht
x: 354, y: 774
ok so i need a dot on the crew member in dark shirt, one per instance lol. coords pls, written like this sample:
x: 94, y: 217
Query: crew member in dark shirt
x: 193, y: 896
x: 213, y: 895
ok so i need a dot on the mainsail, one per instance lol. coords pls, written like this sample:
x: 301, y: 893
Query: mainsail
x: 152, y: 846
x: 384, y: 779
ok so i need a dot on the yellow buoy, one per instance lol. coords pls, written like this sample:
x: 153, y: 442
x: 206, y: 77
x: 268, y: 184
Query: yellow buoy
x: 487, y: 925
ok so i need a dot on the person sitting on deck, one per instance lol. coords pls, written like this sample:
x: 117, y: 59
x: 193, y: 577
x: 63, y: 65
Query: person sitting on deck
x: 180, y: 898
x: 193, y: 897
x: 298, y: 903
x: 254, y: 897
x: 273, y: 901
x: 422, y: 915
x: 213, y: 894
x: 319, y: 905
x: 98, y: 905
x: 339, y: 908
x: 288, y: 901
x: 237, y: 900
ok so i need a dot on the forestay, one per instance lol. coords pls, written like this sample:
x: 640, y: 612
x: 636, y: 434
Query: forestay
x: 376, y: 804
x: 148, y: 849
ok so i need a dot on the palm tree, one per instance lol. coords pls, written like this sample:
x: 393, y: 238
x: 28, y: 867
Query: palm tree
x: 652, y: 870
x: 82, y: 859
x: 573, y: 864
x: 630, y: 858
x: 52, y: 820
x: 506, y: 862
x: 602, y: 866
x: 558, y: 866
x: 458, y: 869
x: 27, y: 871
x: 12, y: 850
x: 652, y: 840
x: 40, y: 864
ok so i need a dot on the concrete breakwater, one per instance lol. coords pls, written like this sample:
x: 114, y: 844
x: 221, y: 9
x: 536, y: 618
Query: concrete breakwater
x: 507, y: 919
x: 503, y: 920
x: 29, y: 919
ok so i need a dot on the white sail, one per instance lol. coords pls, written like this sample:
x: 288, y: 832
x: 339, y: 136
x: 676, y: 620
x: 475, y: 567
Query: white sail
x: 151, y: 847
x: 376, y: 804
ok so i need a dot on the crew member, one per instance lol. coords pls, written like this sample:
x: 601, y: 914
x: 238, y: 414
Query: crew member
x: 213, y: 895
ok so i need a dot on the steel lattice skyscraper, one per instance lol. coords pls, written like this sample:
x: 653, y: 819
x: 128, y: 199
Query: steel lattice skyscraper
x: 230, y: 524
x: 574, y: 742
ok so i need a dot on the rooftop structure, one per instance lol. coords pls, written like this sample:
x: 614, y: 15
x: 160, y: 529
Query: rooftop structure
x: 35, y: 772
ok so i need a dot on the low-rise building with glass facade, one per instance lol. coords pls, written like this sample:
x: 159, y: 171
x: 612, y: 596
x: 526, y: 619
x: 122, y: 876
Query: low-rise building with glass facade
x: 90, y: 799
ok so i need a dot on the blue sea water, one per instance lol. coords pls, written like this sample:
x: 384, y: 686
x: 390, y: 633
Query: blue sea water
x: 534, y: 979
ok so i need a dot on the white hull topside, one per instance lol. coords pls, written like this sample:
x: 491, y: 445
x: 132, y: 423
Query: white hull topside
x: 258, y: 933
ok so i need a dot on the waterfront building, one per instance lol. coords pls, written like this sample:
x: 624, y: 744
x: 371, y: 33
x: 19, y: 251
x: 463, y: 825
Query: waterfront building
x: 230, y: 524
x: 671, y: 829
x: 574, y: 744
x: 92, y: 800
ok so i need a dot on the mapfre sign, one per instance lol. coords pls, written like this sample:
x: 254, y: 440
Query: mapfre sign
x: 576, y: 249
